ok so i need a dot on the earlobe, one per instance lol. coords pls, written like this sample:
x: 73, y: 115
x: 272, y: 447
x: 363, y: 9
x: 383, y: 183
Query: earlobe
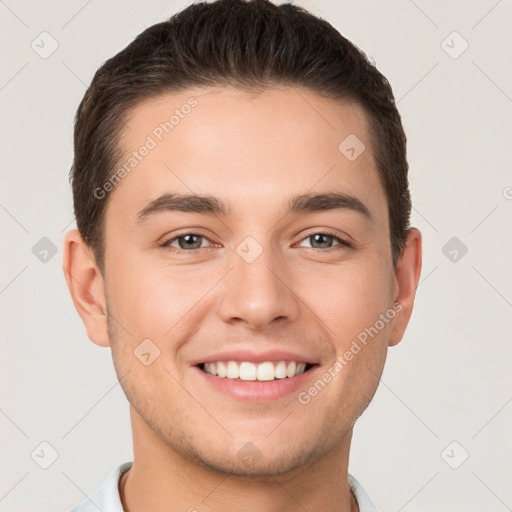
x: 407, y: 275
x: 86, y: 286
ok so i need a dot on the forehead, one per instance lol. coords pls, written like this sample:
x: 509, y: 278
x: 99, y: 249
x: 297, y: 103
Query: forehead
x: 247, y: 148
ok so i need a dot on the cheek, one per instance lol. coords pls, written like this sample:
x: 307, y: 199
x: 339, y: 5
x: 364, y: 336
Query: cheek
x: 147, y: 297
x: 348, y: 298
x: 161, y: 302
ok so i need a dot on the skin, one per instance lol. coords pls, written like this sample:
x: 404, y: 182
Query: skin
x: 255, y: 152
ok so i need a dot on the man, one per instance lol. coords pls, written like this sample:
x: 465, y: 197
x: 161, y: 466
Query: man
x: 243, y: 246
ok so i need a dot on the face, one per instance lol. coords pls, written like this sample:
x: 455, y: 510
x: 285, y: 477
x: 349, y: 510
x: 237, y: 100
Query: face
x: 258, y: 272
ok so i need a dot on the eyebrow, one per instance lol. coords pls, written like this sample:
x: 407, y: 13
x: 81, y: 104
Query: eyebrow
x: 209, y: 205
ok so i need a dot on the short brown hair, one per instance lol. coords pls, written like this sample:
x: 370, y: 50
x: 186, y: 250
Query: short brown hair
x: 249, y: 45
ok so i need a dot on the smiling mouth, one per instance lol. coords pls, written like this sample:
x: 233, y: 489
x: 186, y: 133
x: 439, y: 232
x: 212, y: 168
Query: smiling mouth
x: 248, y: 371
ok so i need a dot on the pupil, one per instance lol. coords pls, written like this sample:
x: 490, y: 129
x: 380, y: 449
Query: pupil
x: 189, y: 238
x: 322, y: 236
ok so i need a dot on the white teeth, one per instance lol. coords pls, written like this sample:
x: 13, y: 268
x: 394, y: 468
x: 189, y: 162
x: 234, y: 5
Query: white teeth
x: 280, y: 370
x: 266, y: 371
x: 221, y: 369
x: 250, y: 371
x: 247, y: 371
x: 233, y: 371
x: 291, y: 370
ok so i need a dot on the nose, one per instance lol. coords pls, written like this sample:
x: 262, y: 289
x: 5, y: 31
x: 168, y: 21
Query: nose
x: 258, y: 293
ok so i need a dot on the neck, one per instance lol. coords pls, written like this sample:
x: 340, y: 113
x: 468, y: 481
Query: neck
x: 161, y: 479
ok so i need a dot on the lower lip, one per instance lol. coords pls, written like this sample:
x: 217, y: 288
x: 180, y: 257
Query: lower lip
x: 258, y: 391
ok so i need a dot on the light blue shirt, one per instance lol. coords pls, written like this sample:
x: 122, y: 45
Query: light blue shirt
x: 107, y: 498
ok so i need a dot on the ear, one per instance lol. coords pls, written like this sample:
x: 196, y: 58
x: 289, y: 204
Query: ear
x: 86, y: 286
x: 407, y: 275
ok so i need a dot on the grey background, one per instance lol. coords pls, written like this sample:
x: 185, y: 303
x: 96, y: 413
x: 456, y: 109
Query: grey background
x: 450, y: 378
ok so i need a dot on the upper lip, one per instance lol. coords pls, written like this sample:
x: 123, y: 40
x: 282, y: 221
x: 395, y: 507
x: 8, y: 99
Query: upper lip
x: 255, y: 357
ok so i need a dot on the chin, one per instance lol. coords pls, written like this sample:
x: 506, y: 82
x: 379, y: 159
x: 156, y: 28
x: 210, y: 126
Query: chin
x: 249, y: 461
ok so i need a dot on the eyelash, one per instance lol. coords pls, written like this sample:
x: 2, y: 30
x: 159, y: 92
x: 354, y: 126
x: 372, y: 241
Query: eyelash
x: 342, y: 242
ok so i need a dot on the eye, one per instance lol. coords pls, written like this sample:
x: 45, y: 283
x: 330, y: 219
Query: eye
x: 187, y: 242
x: 324, y: 240
x: 191, y: 242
